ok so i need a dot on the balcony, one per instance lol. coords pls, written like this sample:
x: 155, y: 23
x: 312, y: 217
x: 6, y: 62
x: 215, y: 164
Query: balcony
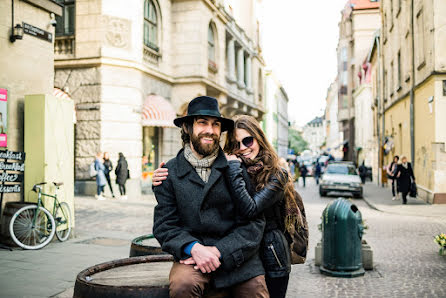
x: 64, y: 47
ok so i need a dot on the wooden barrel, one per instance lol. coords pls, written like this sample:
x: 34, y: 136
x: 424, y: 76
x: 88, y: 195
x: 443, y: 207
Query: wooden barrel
x: 145, y: 246
x: 8, y: 211
x: 146, y: 276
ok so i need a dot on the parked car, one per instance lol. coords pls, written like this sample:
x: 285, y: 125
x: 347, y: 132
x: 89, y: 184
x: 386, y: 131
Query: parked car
x: 341, y: 177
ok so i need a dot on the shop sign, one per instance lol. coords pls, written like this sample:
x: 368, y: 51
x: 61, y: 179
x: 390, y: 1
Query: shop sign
x: 12, y: 169
x: 37, y: 32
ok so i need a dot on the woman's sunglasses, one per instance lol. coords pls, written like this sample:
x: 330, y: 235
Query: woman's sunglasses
x: 248, y: 141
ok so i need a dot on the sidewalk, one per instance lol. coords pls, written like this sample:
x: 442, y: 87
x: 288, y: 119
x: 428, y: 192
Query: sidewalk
x: 380, y: 198
x: 104, y: 231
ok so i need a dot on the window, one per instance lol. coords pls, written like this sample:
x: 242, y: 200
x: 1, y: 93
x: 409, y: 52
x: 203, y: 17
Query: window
x: 399, y: 69
x: 420, y: 40
x: 211, y: 44
x: 392, y: 86
x: 150, y: 25
x: 65, y: 23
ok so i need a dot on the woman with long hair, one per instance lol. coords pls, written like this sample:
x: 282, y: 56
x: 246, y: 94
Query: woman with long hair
x: 260, y: 185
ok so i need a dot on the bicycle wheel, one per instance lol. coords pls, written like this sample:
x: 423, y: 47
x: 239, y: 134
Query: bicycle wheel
x: 63, y: 221
x: 30, y: 234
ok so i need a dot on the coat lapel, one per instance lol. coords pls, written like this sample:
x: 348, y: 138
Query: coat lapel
x: 185, y: 168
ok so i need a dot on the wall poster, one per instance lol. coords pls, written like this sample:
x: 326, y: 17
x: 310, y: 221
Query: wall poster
x: 3, y: 117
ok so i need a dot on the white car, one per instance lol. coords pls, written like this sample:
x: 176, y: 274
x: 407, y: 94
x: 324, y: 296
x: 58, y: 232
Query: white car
x: 341, y: 177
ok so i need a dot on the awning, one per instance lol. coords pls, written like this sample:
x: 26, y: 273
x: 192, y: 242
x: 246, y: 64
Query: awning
x: 60, y: 93
x: 157, y: 111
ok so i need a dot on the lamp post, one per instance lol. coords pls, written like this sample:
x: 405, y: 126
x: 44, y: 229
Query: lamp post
x: 17, y: 33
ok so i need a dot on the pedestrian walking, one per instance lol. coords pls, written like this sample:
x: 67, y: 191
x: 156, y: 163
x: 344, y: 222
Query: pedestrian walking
x: 122, y: 174
x: 195, y: 219
x: 108, y: 168
x: 363, y: 172
x: 100, y: 176
x: 405, y: 176
x: 391, y: 172
x: 317, y: 172
x: 303, y: 172
x: 292, y: 168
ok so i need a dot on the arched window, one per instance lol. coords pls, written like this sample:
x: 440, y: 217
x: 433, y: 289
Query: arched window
x: 150, y: 25
x: 211, y: 44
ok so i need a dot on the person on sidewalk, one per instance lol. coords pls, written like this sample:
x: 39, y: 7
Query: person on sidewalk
x: 196, y: 219
x: 100, y: 176
x: 391, y: 171
x: 405, y: 176
x: 363, y: 172
x: 122, y: 174
x: 317, y: 172
x: 108, y: 168
x: 303, y: 172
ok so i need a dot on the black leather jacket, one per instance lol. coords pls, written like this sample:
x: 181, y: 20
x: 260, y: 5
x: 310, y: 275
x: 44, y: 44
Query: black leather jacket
x: 274, y: 249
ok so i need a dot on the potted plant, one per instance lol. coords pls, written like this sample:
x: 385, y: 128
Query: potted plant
x: 441, y: 240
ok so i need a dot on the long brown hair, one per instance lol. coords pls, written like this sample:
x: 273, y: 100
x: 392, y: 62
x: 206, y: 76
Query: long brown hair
x: 267, y: 155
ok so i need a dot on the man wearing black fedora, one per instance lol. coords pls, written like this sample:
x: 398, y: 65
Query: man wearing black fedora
x: 195, y: 219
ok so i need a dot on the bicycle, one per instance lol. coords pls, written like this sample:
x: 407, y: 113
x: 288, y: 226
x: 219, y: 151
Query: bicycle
x: 34, y: 226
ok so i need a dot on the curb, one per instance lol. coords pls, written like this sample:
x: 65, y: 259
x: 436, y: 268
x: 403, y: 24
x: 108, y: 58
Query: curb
x: 371, y: 205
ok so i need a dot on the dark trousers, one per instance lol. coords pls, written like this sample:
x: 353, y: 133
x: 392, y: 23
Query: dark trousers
x: 107, y: 176
x: 404, y: 193
x: 122, y: 189
x: 100, y: 189
x: 185, y: 281
x: 316, y: 177
x: 303, y: 179
x: 277, y: 286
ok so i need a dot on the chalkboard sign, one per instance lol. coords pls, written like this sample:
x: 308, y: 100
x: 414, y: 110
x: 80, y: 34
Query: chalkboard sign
x: 12, y: 168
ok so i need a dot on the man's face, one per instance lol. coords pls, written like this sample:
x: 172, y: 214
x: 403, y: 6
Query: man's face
x: 205, y: 137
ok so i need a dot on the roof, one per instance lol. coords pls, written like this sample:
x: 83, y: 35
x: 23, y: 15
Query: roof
x: 317, y: 120
x: 363, y: 4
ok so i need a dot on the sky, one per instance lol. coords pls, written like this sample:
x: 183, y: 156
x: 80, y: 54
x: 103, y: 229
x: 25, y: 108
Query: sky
x: 299, y: 45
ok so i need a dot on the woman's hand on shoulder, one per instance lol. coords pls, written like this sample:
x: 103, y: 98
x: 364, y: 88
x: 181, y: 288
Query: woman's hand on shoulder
x: 159, y: 175
x: 230, y: 157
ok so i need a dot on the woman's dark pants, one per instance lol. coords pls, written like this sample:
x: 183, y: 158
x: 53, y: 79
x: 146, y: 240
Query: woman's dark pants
x: 277, y: 286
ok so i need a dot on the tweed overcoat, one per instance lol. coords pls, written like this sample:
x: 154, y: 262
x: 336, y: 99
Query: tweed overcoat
x: 191, y: 210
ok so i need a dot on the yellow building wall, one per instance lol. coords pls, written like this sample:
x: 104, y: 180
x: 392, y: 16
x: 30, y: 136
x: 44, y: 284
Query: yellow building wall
x: 49, y: 147
x: 424, y: 134
x: 397, y: 125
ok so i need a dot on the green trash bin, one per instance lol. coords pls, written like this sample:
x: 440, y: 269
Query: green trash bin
x: 342, y: 231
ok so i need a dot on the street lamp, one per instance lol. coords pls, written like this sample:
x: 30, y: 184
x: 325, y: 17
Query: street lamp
x: 17, y: 33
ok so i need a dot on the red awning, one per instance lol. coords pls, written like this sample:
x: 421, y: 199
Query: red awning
x: 60, y: 93
x: 157, y: 111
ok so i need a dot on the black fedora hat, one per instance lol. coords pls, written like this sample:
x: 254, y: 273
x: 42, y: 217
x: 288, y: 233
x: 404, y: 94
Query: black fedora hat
x: 204, y: 106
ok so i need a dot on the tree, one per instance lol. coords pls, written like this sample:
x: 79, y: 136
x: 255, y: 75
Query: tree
x: 296, y: 142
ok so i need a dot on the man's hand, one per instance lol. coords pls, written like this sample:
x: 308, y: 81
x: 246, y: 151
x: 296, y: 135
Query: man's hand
x: 205, y: 257
x: 159, y: 175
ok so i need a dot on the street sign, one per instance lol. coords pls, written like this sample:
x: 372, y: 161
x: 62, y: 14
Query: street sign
x: 37, y: 32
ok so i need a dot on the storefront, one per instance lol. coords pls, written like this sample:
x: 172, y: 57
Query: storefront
x: 157, y: 113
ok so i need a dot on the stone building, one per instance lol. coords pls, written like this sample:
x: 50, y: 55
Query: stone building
x: 275, y: 121
x: 314, y: 134
x: 413, y: 42
x: 132, y: 66
x: 360, y: 19
x: 27, y: 63
x: 334, y: 139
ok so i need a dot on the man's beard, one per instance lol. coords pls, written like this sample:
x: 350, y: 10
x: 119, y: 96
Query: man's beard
x: 204, y: 149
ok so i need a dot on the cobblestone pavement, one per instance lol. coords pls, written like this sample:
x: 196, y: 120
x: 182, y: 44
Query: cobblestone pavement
x: 406, y: 259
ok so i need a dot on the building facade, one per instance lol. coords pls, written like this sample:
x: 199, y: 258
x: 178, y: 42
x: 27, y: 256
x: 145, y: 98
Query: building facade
x: 360, y: 19
x: 132, y: 67
x: 334, y: 137
x: 414, y: 90
x: 275, y: 121
x: 314, y: 134
x: 27, y: 68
